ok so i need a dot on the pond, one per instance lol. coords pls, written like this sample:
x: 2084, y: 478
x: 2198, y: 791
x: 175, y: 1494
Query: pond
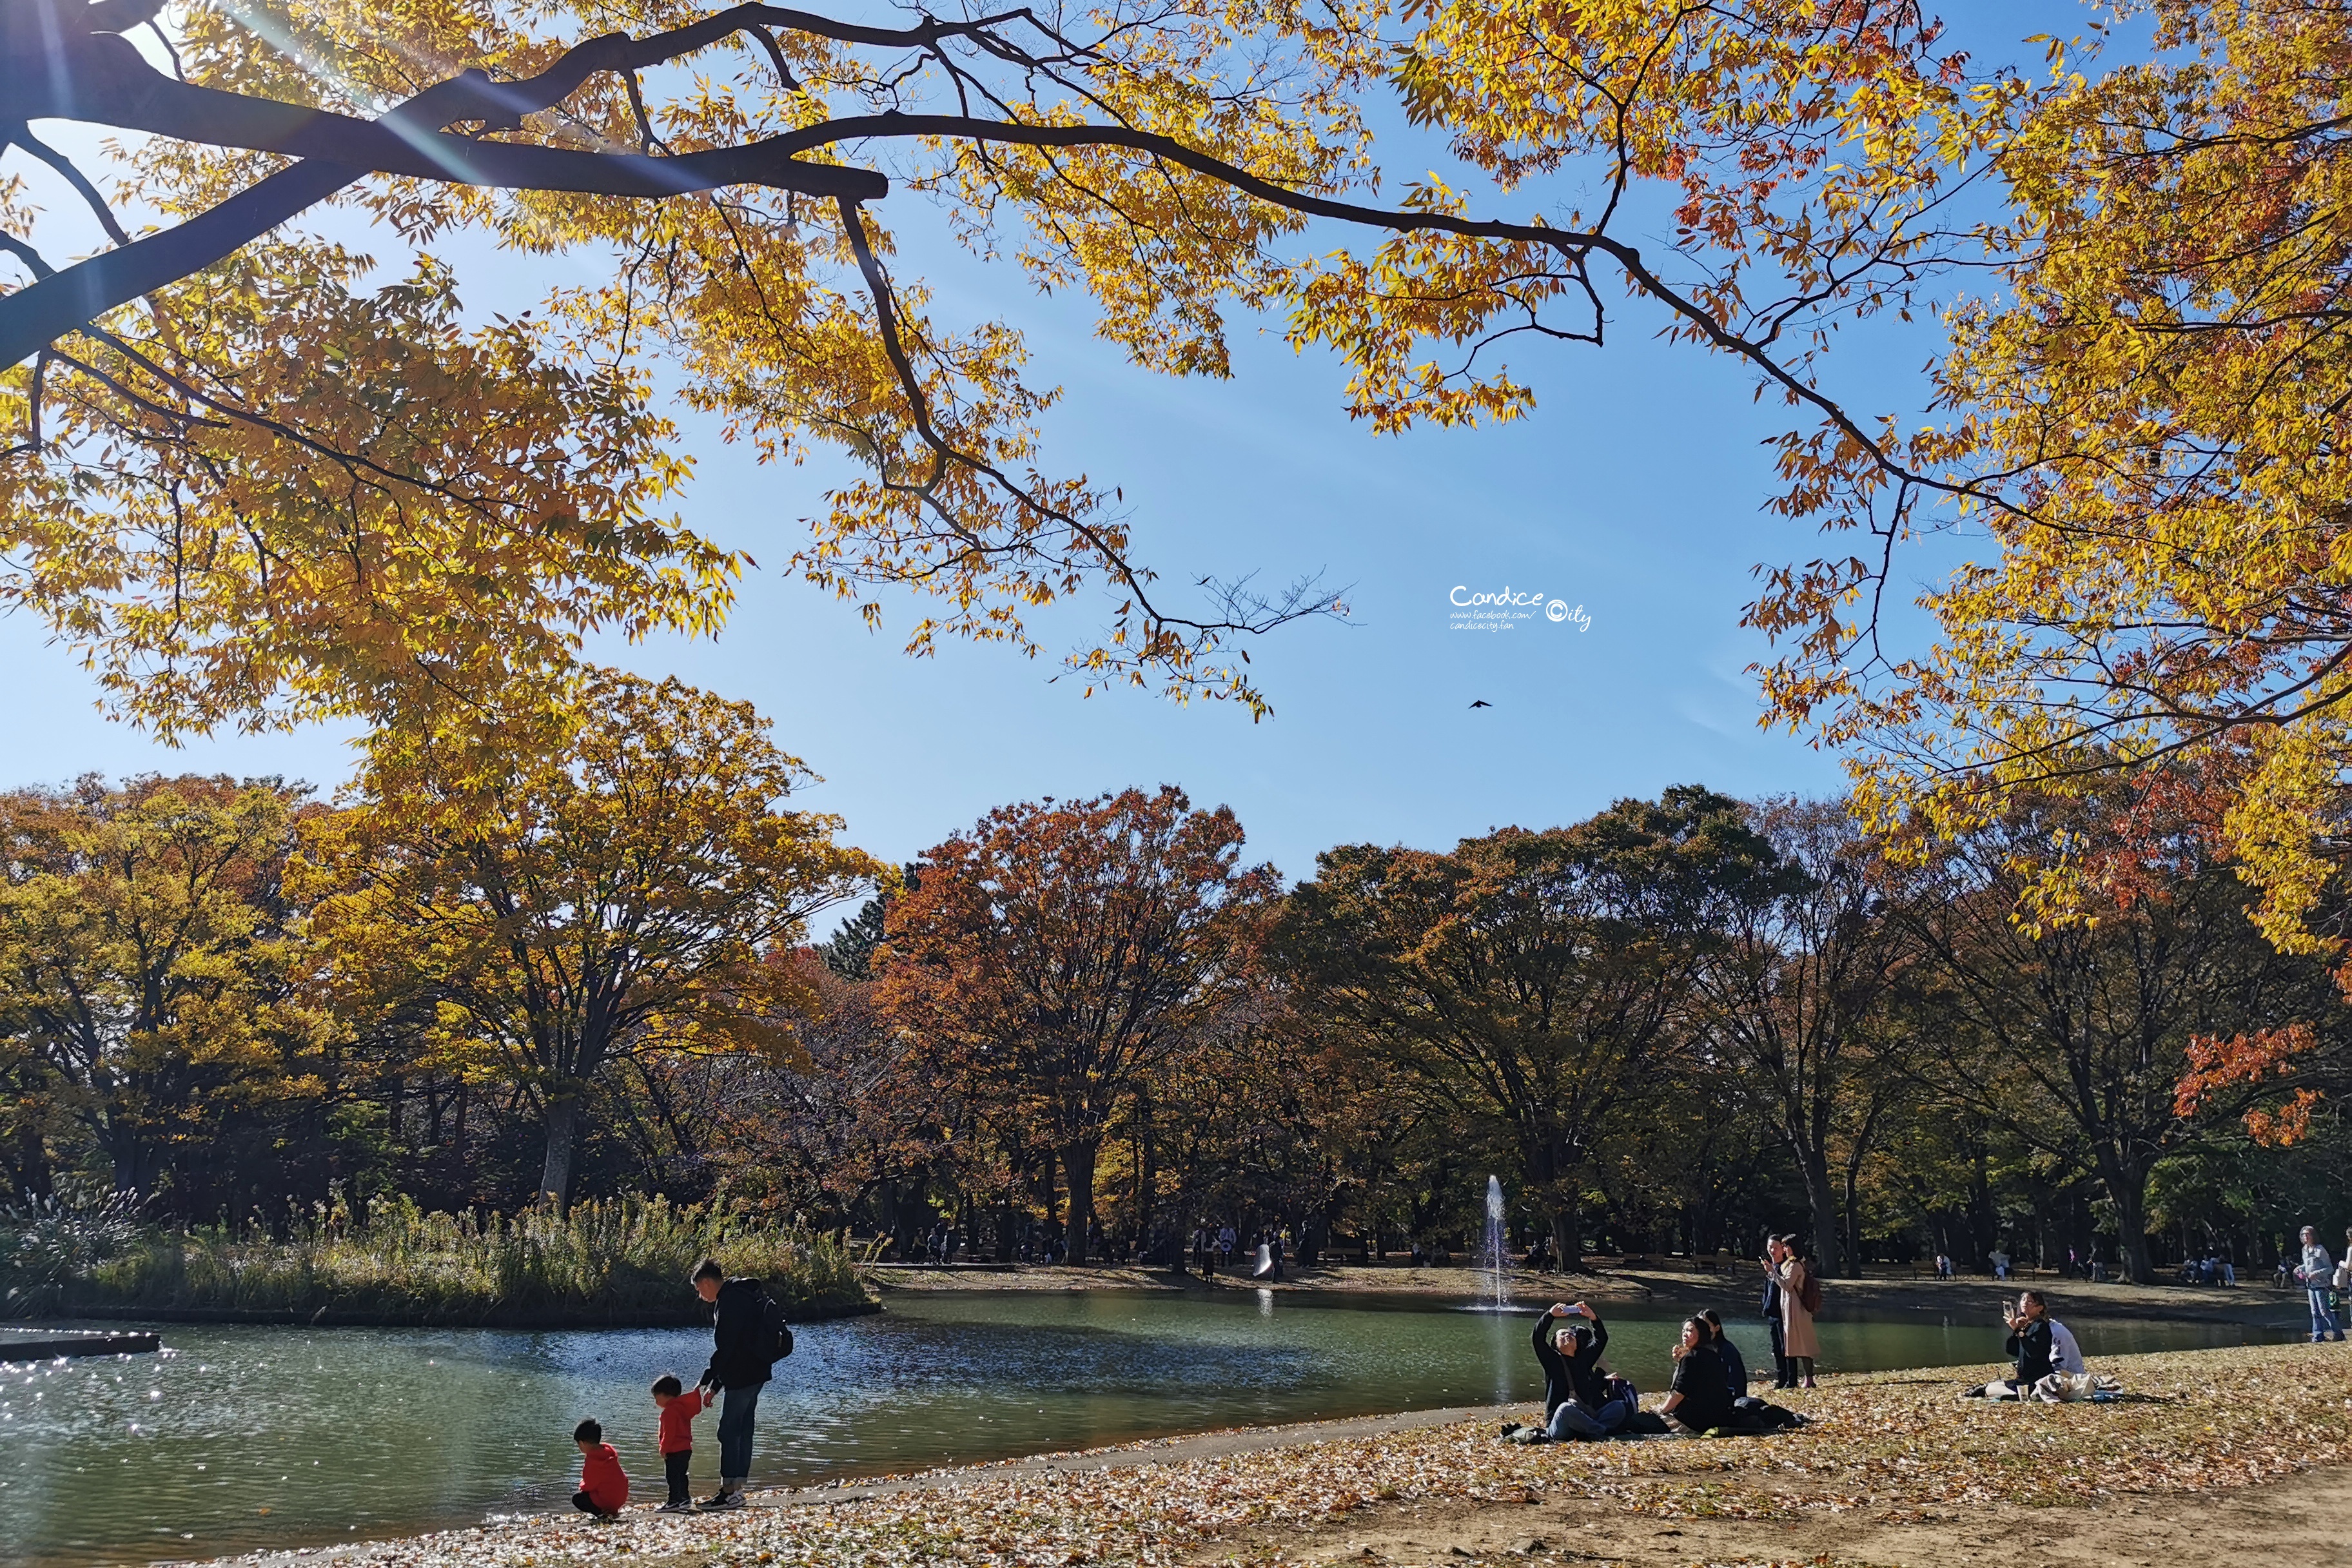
x: 238, y: 1437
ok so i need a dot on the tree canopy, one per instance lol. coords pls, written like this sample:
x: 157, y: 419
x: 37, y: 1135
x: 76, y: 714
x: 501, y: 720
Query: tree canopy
x: 553, y: 912
x: 253, y: 481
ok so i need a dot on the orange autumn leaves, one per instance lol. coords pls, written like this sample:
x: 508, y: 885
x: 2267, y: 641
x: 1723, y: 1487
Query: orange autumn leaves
x: 1056, y: 960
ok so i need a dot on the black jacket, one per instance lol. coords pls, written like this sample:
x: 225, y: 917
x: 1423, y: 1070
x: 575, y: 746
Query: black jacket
x: 1734, y: 1366
x: 1568, y: 1377
x: 2031, y: 1345
x: 1706, y: 1396
x: 741, y: 1352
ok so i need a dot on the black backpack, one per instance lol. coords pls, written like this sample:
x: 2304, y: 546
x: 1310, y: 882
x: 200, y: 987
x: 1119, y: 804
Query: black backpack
x: 775, y: 1335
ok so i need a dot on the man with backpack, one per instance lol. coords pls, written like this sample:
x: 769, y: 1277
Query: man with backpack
x: 749, y: 1336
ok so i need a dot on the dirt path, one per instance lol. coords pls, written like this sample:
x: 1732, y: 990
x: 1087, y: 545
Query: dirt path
x: 2299, y: 1523
x: 2305, y: 1522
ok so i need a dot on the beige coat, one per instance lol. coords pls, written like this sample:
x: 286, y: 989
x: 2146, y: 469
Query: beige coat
x: 1796, y: 1336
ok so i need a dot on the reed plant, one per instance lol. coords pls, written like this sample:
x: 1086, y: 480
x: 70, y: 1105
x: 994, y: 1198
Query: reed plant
x: 620, y: 1262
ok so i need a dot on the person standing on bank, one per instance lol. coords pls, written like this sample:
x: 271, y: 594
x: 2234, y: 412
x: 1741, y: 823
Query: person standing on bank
x: 749, y: 1336
x: 1774, y: 1254
x: 1800, y: 1299
x: 2317, y: 1273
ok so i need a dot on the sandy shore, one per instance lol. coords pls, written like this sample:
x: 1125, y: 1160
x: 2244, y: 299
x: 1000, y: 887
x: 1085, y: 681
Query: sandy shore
x: 2211, y: 1455
x: 1976, y: 1294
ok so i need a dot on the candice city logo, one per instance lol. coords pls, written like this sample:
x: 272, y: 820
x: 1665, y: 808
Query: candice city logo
x: 1501, y: 609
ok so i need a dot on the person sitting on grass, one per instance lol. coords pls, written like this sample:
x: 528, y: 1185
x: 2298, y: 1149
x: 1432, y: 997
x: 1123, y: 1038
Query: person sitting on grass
x: 2031, y: 1343
x: 2068, y: 1378
x: 1698, y: 1400
x: 1735, y: 1365
x: 604, y: 1485
x: 1576, y: 1390
x: 2065, y: 1354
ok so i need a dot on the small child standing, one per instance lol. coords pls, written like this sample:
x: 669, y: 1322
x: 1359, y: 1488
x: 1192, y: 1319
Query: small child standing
x: 679, y: 1408
x: 604, y: 1485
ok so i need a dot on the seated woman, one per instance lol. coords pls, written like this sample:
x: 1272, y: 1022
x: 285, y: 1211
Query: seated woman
x: 1699, y: 1397
x: 1735, y: 1365
x: 1576, y: 1398
x: 2032, y: 1345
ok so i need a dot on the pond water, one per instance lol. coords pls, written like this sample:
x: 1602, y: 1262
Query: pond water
x: 237, y: 1438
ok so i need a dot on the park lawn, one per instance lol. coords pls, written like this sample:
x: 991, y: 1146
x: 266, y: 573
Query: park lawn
x: 1893, y: 1448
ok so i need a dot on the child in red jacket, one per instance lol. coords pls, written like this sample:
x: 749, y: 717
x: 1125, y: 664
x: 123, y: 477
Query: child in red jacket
x: 679, y: 1408
x: 604, y: 1485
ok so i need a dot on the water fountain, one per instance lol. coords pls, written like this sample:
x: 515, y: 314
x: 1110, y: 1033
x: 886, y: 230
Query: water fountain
x: 1495, y: 1252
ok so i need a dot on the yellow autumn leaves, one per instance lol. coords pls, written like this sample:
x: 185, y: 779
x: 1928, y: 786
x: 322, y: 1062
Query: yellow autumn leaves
x: 2147, y: 423
x: 1167, y: 160
x: 280, y: 486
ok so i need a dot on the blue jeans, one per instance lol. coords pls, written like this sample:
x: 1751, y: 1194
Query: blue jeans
x: 1572, y: 1420
x: 735, y: 1433
x: 2323, y: 1321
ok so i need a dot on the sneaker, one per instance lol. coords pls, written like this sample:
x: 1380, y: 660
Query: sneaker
x: 1509, y: 1428
x: 724, y: 1500
x: 683, y: 1505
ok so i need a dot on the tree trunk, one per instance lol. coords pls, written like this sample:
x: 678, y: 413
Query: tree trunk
x: 1567, y: 1236
x: 2128, y: 1190
x: 1147, y: 1174
x: 1820, y: 1200
x: 1984, y: 1223
x: 562, y: 1136
x: 1078, y: 1169
x: 32, y: 1152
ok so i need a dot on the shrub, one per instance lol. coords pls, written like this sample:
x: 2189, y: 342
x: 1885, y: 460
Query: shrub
x: 625, y: 1261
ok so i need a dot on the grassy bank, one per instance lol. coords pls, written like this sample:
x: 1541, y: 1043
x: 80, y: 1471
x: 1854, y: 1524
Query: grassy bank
x: 619, y: 1263
x: 1889, y: 1454
x: 1977, y: 1295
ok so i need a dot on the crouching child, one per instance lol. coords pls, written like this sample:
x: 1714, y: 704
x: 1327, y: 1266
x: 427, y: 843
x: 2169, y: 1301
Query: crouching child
x: 604, y: 1485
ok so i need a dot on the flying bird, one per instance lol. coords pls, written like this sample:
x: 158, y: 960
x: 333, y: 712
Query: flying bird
x: 1482, y: 702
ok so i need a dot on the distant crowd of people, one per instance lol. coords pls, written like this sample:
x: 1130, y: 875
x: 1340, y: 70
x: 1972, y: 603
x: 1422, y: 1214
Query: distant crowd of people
x: 1263, y: 1252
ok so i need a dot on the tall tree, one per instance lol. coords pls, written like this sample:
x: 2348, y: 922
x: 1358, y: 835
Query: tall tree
x: 1058, y: 954
x: 1790, y: 993
x: 582, y: 887
x: 1531, y: 984
x: 144, y: 960
x: 2072, y: 1035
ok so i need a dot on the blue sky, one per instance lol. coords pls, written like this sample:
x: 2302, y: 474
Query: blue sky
x: 1635, y: 492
